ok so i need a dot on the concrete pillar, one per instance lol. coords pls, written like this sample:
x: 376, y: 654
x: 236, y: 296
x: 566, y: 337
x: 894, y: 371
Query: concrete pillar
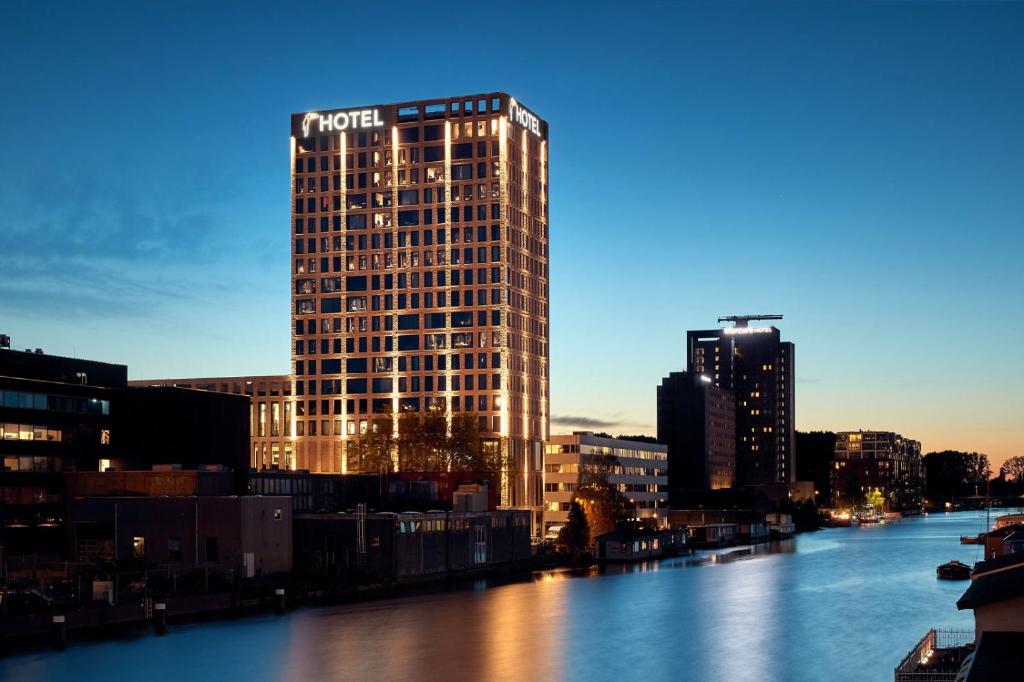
x: 279, y: 600
x: 160, y: 618
x: 60, y: 633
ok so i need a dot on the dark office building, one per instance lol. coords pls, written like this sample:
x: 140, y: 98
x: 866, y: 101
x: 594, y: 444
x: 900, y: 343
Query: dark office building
x: 55, y: 412
x: 697, y: 421
x: 60, y: 415
x: 66, y: 414
x: 757, y: 366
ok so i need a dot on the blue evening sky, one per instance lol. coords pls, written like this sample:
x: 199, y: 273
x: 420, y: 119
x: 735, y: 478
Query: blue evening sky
x: 857, y: 167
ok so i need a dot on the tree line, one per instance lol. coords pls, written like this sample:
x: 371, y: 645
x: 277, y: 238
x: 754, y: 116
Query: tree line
x: 425, y: 442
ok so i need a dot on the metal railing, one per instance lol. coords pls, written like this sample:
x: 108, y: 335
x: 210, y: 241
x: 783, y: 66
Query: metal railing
x: 921, y: 664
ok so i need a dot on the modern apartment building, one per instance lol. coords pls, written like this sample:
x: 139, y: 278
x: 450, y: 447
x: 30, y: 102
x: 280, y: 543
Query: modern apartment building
x: 883, y: 461
x: 271, y: 420
x: 636, y: 468
x: 697, y: 423
x: 420, y: 277
x: 757, y: 366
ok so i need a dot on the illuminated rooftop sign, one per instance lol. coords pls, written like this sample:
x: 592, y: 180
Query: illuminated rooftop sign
x: 749, y: 330
x: 523, y: 116
x: 336, y: 121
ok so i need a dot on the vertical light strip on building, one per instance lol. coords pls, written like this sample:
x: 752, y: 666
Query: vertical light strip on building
x: 291, y: 287
x: 394, y: 313
x: 448, y: 275
x: 544, y: 387
x: 504, y: 454
x: 524, y: 331
x: 343, y: 174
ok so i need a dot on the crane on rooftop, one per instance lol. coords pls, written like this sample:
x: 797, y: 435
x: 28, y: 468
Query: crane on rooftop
x: 742, y: 320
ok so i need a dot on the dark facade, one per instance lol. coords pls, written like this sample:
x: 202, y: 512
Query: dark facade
x: 420, y: 277
x: 881, y: 461
x: 39, y: 366
x: 272, y: 441
x: 815, y: 457
x: 161, y: 425
x: 248, y: 535
x: 53, y: 418
x: 63, y: 415
x: 697, y: 422
x: 409, y: 547
x: 757, y: 366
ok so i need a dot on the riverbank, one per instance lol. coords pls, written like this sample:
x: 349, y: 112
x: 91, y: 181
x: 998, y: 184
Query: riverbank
x: 843, y: 604
x: 54, y: 629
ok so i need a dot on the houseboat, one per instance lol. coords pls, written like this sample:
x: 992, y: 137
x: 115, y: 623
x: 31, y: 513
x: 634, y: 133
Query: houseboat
x: 619, y: 546
x: 712, y: 534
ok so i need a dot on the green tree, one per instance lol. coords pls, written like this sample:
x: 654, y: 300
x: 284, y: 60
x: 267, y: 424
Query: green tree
x: 1013, y: 468
x: 951, y: 474
x: 376, y: 448
x: 873, y: 498
x: 575, y: 534
x: 472, y: 450
x: 427, y: 442
x: 607, y: 509
x: 421, y: 441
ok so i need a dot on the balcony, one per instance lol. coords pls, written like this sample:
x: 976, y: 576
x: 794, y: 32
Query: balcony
x: 937, y: 657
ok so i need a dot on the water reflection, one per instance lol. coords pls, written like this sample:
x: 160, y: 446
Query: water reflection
x: 843, y: 604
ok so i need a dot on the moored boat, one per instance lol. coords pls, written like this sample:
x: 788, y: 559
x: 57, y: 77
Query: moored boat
x: 953, y: 570
x: 972, y: 539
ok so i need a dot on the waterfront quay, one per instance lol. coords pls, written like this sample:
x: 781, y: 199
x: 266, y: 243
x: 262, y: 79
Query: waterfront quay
x: 841, y: 604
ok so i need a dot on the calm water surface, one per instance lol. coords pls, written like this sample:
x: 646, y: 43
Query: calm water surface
x: 840, y: 604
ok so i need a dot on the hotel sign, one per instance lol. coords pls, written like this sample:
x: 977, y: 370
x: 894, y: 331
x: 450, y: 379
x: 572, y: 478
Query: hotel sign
x: 523, y: 116
x: 316, y: 123
x: 748, y: 330
x: 336, y: 121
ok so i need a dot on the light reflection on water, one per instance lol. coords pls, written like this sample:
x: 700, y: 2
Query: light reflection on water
x: 841, y: 604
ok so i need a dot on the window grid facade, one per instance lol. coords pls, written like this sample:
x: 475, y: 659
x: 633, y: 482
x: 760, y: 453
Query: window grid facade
x: 420, y: 277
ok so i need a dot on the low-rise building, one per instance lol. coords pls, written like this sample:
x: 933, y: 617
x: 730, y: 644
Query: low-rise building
x: 882, y: 461
x: 389, y: 547
x: 250, y: 535
x: 637, y: 469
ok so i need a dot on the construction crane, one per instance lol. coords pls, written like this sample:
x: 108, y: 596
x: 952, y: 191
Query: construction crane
x: 742, y: 320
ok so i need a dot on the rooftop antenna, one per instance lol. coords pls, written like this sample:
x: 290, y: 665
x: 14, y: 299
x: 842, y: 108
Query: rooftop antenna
x: 742, y: 320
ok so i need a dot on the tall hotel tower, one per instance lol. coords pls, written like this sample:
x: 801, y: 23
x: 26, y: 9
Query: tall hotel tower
x: 757, y: 366
x: 420, y: 277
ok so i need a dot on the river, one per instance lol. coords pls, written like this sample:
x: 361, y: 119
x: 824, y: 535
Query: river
x: 841, y: 604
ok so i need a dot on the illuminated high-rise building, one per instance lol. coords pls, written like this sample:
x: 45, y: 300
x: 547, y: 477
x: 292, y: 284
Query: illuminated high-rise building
x: 420, y: 277
x: 757, y: 367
